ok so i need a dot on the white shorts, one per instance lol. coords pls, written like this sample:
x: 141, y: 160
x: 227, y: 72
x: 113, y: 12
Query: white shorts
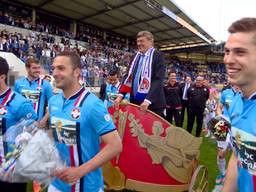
x: 224, y: 144
x: 51, y: 188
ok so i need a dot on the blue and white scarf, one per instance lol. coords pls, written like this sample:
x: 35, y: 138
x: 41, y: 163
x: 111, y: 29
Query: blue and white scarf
x: 145, y: 74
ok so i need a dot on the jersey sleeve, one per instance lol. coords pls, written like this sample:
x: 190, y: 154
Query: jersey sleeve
x: 222, y: 98
x: 100, y: 119
x: 16, y: 87
x: 48, y: 90
x: 26, y: 110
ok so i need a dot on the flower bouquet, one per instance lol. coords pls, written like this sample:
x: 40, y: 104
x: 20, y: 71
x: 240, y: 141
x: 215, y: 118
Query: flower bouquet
x: 219, y: 127
x: 29, y: 154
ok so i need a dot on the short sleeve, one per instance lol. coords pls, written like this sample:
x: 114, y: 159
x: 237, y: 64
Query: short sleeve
x: 26, y: 110
x: 48, y: 90
x: 16, y: 87
x: 222, y: 98
x: 100, y: 119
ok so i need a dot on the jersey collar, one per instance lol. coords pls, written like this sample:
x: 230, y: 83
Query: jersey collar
x: 35, y: 80
x: 75, y: 95
x: 117, y: 84
x: 5, y: 93
x: 253, y: 96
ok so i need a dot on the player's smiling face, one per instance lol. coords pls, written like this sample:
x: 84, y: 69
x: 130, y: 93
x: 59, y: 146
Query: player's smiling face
x: 240, y: 60
x: 34, y: 70
x: 64, y: 73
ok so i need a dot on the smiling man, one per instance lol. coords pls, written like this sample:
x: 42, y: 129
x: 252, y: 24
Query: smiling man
x: 144, y: 80
x: 33, y: 88
x: 240, y: 60
x: 79, y: 121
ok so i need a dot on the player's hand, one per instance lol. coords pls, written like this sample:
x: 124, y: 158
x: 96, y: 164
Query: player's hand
x: 117, y: 102
x: 69, y: 174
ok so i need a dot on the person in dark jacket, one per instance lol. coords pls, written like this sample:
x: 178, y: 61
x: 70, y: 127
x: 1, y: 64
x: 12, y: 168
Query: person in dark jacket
x: 198, y: 94
x: 184, y: 99
x: 173, y: 95
x: 145, y: 76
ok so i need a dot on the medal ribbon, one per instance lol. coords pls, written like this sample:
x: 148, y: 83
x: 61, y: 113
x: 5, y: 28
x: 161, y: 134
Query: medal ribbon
x: 73, y: 158
x: 36, y: 104
x: 7, y: 98
x: 80, y: 98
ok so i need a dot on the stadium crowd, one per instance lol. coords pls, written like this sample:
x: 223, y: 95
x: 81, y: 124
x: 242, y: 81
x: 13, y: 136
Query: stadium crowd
x: 188, y: 84
x: 102, y: 53
x: 95, y: 60
x: 213, y: 71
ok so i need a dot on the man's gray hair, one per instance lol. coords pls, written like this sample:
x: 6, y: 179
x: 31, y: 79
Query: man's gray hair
x: 146, y: 34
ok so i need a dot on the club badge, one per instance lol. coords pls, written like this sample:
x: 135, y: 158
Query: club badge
x: 145, y: 84
x: 75, y: 113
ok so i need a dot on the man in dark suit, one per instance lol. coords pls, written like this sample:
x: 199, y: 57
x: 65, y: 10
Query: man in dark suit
x: 145, y: 75
x: 198, y: 94
x: 184, y: 97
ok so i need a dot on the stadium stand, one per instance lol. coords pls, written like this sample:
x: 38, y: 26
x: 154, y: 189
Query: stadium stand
x: 100, y: 49
x: 103, y: 34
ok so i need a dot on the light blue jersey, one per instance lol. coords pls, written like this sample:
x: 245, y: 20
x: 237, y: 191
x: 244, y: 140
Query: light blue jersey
x: 243, y: 121
x: 77, y: 124
x: 13, y: 108
x: 112, y: 93
x: 38, y: 92
x: 226, y: 99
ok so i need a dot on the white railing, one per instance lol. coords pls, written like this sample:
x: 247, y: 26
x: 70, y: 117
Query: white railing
x: 26, y: 32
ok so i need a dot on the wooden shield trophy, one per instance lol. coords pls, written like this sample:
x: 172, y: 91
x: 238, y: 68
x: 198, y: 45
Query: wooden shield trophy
x: 156, y: 156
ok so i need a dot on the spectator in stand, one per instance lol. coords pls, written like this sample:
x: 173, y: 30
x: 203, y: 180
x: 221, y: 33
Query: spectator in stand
x: 3, y: 44
x: 1, y: 17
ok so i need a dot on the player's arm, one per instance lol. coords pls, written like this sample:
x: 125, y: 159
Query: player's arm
x: 112, y: 148
x: 118, y: 100
x: 48, y: 90
x: 230, y: 184
x: 26, y: 110
x: 16, y: 88
x: 219, y: 109
x: 43, y: 122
